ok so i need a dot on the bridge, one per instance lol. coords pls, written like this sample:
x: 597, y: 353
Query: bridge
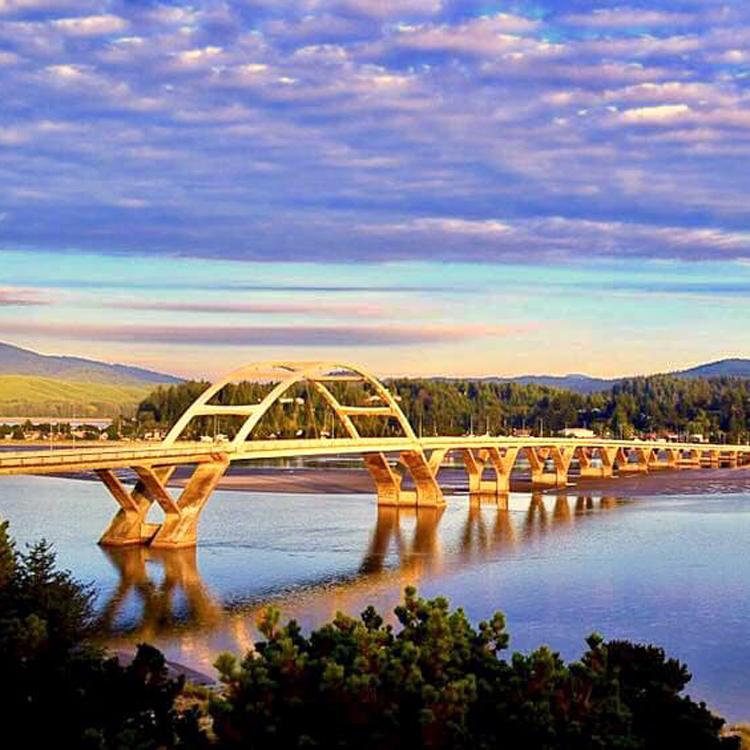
x: 404, y: 466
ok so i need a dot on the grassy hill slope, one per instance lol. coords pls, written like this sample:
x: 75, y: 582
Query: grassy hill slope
x: 17, y: 361
x: 29, y: 395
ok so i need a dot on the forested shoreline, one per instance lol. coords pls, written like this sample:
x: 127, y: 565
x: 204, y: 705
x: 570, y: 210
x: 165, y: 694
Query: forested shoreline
x: 717, y: 409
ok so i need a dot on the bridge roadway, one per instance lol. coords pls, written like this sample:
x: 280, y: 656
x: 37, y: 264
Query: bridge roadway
x: 549, y: 461
x: 488, y: 460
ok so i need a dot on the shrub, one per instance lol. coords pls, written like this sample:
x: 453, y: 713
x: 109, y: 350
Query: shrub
x: 440, y: 683
x: 57, y: 689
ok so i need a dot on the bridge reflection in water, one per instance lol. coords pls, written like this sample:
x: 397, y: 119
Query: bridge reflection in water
x: 162, y: 599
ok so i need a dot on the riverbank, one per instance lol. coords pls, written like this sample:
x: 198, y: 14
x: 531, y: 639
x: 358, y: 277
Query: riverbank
x: 314, y: 480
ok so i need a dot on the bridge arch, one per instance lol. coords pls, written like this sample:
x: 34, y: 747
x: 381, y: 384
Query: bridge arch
x: 289, y: 374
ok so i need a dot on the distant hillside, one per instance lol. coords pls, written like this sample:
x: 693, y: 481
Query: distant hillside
x: 729, y: 368
x: 572, y: 382
x: 724, y: 368
x: 17, y: 361
x: 27, y: 395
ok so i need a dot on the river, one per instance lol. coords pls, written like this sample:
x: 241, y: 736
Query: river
x: 669, y: 569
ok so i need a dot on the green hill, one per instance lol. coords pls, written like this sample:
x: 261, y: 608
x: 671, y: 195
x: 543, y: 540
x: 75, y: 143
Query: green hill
x: 29, y: 395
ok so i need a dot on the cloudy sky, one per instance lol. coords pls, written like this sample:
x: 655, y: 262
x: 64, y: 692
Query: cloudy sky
x: 419, y: 186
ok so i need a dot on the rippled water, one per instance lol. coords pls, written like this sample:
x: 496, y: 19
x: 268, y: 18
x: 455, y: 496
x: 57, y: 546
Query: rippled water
x: 671, y: 570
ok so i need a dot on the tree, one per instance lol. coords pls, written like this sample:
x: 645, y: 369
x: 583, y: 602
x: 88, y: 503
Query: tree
x: 59, y: 690
x: 438, y: 682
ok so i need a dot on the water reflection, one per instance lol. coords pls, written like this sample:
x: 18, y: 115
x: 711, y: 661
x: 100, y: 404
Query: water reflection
x: 155, y: 605
x: 161, y: 597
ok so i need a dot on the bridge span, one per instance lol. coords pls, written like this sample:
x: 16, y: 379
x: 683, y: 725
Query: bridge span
x: 405, y: 467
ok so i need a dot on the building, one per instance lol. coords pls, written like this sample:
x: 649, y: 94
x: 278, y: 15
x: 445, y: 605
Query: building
x: 578, y: 432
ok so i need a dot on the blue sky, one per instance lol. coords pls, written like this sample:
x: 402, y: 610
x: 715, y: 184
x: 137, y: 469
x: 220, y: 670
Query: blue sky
x: 421, y: 186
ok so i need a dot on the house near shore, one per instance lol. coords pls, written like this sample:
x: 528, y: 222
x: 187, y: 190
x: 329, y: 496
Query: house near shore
x: 580, y: 433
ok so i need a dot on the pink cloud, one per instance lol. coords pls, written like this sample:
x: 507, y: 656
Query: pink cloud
x: 281, y: 336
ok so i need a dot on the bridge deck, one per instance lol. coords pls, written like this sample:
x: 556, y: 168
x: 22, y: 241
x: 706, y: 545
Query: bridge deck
x: 70, y: 459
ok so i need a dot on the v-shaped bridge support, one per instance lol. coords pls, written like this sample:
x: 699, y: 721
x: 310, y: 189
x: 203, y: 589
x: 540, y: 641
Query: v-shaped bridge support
x: 180, y: 525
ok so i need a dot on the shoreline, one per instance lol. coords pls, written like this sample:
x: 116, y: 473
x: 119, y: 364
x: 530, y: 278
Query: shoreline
x: 314, y: 480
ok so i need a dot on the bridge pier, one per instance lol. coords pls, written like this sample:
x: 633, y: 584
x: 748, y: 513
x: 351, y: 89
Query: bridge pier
x: 607, y: 456
x: 655, y: 462
x: 180, y: 526
x: 388, y: 480
x: 540, y: 478
x: 625, y: 466
x: 730, y: 460
x: 500, y: 463
x: 709, y: 459
x: 693, y: 461
x: 128, y: 526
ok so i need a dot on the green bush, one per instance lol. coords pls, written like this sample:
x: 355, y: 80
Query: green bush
x: 56, y: 689
x: 440, y: 683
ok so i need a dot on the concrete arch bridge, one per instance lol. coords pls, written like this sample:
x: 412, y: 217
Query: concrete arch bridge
x: 405, y: 467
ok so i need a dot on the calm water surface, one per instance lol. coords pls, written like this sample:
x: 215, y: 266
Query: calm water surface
x: 670, y: 570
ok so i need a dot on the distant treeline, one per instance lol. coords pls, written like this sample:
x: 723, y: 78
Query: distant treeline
x: 717, y: 408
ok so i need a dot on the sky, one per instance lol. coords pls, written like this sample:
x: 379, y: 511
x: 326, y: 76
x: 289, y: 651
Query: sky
x: 422, y: 187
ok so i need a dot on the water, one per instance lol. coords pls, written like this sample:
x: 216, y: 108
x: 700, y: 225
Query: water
x: 670, y: 570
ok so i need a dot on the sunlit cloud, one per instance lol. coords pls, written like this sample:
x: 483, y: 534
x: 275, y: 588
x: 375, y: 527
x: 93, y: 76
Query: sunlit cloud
x: 374, y: 132
x: 278, y: 336
x: 320, y: 308
x: 90, y: 25
x: 18, y: 297
x: 658, y: 114
x: 627, y: 18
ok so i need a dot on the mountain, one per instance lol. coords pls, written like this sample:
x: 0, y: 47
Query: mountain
x: 572, y: 382
x: 725, y: 368
x: 17, y: 361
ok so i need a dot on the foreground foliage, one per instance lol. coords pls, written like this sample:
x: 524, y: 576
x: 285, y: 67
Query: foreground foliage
x: 58, y: 690
x: 438, y: 682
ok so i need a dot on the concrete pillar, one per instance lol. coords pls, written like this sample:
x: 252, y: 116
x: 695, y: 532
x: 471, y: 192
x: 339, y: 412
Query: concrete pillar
x: 625, y: 466
x: 501, y: 464
x: 388, y: 480
x: 474, y: 468
x: 562, y: 458
x: 607, y: 456
x: 427, y: 487
x: 180, y: 526
x: 540, y: 478
x: 730, y: 459
x: 690, y: 458
x: 129, y: 523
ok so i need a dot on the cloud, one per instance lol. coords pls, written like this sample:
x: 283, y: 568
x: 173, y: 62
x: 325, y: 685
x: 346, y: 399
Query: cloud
x: 18, y: 297
x: 627, y: 18
x: 90, y: 25
x: 664, y: 113
x: 10, y: 7
x: 485, y: 35
x: 355, y: 129
x: 320, y: 308
x: 391, y: 8
x: 468, y: 227
x: 280, y: 336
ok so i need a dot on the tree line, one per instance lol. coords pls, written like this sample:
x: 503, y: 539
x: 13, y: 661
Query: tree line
x: 718, y: 409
